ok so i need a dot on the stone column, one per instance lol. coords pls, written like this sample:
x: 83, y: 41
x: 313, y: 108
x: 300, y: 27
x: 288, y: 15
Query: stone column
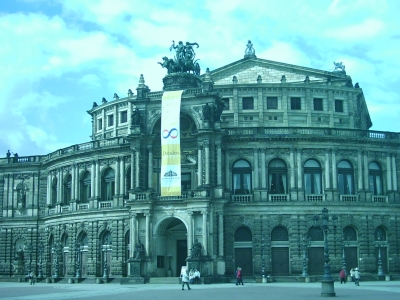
x: 60, y: 185
x: 190, y: 233
x: 207, y: 162
x: 360, y: 171
x: 150, y: 170
x: 117, y: 176
x: 148, y: 232
x: 394, y: 174
x: 227, y: 174
x: 256, y: 184
x: 292, y: 169
x: 93, y: 180
x: 132, y: 234
x: 73, y: 182
x: 132, y: 169
x: 263, y: 170
x: 389, y: 172
x: 97, y: 181
x: 299, y: 170
x: 327, y: 172
x: 220, y: 235
x: 205, y: 233
x: 199, y: 166
x: 122, y: 176
x: 137, y: 167
x: 334, y: 169
x: 49, y: 186
x: 219, y: 165
x: 366, y: 171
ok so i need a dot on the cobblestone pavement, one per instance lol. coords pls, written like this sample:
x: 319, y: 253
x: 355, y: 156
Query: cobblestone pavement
x: 271, y: 291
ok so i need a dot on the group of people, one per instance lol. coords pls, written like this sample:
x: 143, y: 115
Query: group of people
x: 192, y: 277
x: 354, y: 274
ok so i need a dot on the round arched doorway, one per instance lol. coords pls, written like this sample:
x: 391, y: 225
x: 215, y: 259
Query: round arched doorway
x: 171, y: 247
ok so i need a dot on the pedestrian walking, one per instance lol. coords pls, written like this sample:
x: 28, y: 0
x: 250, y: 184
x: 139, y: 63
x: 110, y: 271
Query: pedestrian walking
x: 352, y: 274
x: 32, y: 278
x: 357, y: 276
x: 185, y: 279
x: 342, y: 276
x: 239, y: 276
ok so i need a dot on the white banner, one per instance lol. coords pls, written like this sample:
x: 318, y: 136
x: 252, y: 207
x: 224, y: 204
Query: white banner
x: 171, y: 144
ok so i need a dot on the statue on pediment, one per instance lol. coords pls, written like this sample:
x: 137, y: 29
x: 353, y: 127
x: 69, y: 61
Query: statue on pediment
x: 249, y: 52
x: 339, y: 66
x: 184, y: 60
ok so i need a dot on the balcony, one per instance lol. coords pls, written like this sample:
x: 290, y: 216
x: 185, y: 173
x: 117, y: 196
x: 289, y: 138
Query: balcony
x: 349, y: 198
x: 315, y: 198
x: 380, y: 199
x: 278, y: 197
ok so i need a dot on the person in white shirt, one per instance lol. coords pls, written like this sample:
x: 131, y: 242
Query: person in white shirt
x: 185, y: 279
x: 196, y: 276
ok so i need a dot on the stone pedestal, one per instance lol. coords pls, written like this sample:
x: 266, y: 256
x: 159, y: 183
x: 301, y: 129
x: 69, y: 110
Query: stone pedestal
x: 181, y: 81
x: 328, y: 288
x: 135, y: 271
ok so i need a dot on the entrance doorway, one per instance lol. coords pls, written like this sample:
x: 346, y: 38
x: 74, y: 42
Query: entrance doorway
x: 280, y: 261
x: 316, y: 260
x: 181, y: 255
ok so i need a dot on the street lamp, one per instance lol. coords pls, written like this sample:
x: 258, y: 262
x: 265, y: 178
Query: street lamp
x: 169, y: 265
x: 29, y: 249
x: 345, y: 243
x: 40, y: 248
x: 379, y: 244
x: 56, y: 252
x: 327, y: 282
x: 78, y: 249
x: 106, y: 249
x: 305, y: 245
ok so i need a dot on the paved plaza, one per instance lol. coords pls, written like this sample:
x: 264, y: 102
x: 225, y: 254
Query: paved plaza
x: 367, y: 290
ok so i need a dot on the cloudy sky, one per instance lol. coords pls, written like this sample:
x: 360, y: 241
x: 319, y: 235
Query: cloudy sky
x: 58, y: 57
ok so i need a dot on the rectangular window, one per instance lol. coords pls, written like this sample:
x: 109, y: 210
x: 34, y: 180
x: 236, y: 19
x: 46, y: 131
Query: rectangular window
x: 99, y: 124
x: 110, y: 120
x: 248, y: 103
x: 318, y: 104
x: 295, y: 103
x: 338, y: 105
x: 272, y: 102
x: 226, y: 101
x: 186, y: 182
x: 160, y: 262
x: 124, y: 116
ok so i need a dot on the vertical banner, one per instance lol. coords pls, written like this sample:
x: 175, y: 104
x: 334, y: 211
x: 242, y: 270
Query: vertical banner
x: 171, y: 144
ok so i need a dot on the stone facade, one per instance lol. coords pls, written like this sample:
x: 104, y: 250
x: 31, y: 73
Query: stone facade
x: 289, y: 142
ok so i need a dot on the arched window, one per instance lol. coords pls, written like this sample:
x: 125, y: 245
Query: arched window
x: 86, y: 187
x: 67, y: 189
x: 316, y: 234
x: 312, y: 177
x: 280, y: 234
x: 277, y: 171
x: 241, y: 177
x: 375, y: 179
x: 349, y: 234
x: 54, y: 191
x: 243, y: 234
x: 380, y: 234
x: 345, y: 178
x: 108, y: 184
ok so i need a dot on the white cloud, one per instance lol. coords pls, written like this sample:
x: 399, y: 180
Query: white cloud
x: 363, y: 31
x: 285, y: 52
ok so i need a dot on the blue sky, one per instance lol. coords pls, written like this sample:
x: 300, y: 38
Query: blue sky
x: 58, y: 57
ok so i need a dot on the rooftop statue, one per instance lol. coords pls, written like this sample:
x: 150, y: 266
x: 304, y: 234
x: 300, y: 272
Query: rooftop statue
x: 249, y: 52
x: 339, y: 66
x: 184, y: 60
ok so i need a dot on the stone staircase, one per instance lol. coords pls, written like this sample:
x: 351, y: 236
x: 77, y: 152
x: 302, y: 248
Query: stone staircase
x: 164, y: 280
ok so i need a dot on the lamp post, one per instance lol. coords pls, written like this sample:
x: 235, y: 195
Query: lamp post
x: 40, y: 249
x: 106, y: 249
x: 305, y: 245
x: 327, y: 282
x: 169, y: 265
x: 79, y: 249
x: 29, y: 249
x: 56, y: 252
x: 345, y: 243
x: 378, y: 244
